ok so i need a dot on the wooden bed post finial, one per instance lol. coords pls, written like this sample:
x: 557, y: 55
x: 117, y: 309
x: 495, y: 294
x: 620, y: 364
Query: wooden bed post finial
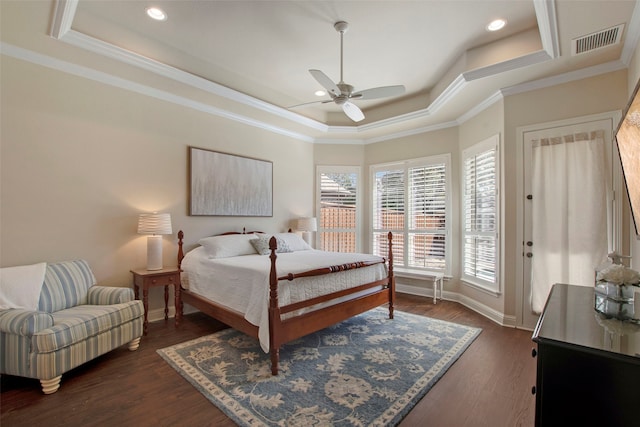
x: 180, y: 251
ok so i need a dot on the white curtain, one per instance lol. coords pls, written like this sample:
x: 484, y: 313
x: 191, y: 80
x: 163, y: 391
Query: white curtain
x: 569, y: 212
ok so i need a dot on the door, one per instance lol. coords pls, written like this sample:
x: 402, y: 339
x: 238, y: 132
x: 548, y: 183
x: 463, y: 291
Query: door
x: 571, y: 210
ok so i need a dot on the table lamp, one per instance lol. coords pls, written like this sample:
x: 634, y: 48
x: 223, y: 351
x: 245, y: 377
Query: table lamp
x: 155, y: 225
x: 307, y: 226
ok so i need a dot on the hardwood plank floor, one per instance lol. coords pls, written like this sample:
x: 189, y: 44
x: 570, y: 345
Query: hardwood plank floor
x: 490, y: 385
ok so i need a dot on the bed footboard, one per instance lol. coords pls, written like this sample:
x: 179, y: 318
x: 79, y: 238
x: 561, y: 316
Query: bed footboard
x: 282, y: 331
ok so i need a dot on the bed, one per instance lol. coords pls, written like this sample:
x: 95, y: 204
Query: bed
x: 276, y: 288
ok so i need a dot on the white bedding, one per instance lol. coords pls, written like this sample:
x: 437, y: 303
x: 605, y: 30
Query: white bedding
x: 242, y: 283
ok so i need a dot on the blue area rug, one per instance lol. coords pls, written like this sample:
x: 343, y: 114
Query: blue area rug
x: 365, y: 371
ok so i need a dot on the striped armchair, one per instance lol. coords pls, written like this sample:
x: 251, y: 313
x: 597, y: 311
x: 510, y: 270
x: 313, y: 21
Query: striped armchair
x: 75, y: 322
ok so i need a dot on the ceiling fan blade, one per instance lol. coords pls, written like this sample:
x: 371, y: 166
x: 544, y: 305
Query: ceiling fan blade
x: 311, y: 103
x: 352, y: 111
x: 379, y: 92
x: 325, y: 82
x: 307, y: 103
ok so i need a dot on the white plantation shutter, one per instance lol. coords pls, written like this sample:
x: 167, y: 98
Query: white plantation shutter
x: 480, y: 209
x: 388, y: 212
x: 411, y: 199
x: 338, y: 208
x: 427, y: 216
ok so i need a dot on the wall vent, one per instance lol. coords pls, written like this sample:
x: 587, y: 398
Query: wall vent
x: 597, y: 40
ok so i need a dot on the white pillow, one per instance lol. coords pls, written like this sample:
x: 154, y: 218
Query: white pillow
x: 228, y: 245
x: 20, y: 286
x: 294, y: 242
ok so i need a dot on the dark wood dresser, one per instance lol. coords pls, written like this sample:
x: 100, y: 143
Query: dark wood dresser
x: 588, y: 365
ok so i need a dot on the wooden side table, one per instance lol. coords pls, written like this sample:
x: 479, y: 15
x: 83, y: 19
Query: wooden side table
x: 149, y: 278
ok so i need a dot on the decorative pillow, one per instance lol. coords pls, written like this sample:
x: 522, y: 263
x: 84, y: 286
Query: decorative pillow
x: 20, y: 286
x: 228, y: 245
x: 294, y: 241
x: 261, y: 245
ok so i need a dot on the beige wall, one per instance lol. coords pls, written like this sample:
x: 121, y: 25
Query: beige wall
x: 80, y: 160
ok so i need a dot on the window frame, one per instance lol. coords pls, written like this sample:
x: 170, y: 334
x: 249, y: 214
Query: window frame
x: 405, y: 165
x: 357, y: 170
x: 491, y: 143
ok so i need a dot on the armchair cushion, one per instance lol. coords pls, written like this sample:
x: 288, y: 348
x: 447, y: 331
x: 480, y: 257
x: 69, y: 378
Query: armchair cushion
x: 82, y: 322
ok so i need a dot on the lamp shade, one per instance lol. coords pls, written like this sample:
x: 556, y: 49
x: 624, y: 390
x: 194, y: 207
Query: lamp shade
x: 154, y: 223
x: 306, y: 224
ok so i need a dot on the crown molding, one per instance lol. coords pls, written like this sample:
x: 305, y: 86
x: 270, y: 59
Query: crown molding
x: 570, y: 76
x: 508, y: 65
x: 100, y: 47
x: 111, y: 80
x: 477, y: 109
x: 64, y: 12
x: 632, y: 37
x: 548, y: 26
x: 411, y: 132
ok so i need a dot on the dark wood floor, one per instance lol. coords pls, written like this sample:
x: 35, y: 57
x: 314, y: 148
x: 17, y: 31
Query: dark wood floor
x: 490, y: 385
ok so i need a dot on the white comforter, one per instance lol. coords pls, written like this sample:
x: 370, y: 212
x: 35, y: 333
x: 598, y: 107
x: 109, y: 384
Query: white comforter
x: 242, y: 283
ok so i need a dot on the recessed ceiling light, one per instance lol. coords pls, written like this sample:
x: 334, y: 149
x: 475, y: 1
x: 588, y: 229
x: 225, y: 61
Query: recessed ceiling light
x: 320, y: 93
x: 156, y: 13
x: 496, y: 25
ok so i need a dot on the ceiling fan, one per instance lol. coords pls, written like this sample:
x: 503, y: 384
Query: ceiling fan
x: 342, y: 93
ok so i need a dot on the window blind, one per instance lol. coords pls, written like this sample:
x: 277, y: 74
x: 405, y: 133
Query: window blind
x: 411, y: 201
x: 480, y: 204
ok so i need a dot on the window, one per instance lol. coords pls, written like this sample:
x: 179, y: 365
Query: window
x: 480, y: 214
x: 412, y: 200
x: 338, y: 208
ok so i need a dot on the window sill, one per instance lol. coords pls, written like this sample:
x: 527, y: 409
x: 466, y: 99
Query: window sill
x: 482, y: 288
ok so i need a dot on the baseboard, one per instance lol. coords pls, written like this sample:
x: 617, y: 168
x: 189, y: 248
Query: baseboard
x: 158, y: 314
x: 488, y: 312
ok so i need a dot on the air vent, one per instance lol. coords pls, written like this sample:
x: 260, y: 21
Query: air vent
x: 598, y: 40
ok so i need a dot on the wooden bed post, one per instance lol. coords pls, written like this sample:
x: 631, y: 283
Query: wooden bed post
x: 274, y: 312
x: 392, y: 279
x: 180, y: 309
x: 180, y: 252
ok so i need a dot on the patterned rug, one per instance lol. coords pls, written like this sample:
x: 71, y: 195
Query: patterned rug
x: 365, y: 371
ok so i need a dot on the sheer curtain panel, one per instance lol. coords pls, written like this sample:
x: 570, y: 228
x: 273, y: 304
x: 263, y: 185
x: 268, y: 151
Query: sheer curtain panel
x: 569, y: 211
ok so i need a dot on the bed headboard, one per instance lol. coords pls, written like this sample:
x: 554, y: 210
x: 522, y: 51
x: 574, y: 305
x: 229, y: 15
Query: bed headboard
x: 181, y: 240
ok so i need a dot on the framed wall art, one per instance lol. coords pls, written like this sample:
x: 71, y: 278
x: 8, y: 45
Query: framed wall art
x: 628, y: 140
x: 223, y: 184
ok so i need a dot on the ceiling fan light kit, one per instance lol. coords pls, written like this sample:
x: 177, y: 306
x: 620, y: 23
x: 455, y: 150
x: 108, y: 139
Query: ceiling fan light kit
x: 342, y: 93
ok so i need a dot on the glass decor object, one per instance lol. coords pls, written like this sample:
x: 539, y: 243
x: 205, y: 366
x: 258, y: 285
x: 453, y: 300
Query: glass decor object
x: 616, y: 309
x: 615, y: 290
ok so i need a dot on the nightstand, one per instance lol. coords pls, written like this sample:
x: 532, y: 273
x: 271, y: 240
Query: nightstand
x: 149, y: 278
